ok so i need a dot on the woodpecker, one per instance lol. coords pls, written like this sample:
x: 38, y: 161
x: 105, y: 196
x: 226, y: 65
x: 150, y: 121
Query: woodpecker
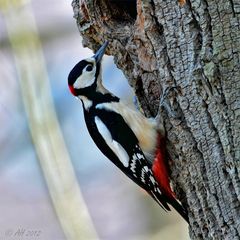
x: 134, y: 143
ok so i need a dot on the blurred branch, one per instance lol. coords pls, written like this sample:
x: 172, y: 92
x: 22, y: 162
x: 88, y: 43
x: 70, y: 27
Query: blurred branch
x: 46, y: 133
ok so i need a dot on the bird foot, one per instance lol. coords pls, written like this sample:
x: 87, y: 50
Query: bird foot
x: 164, y: 103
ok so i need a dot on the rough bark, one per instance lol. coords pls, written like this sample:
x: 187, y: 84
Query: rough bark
x: 195, y: 48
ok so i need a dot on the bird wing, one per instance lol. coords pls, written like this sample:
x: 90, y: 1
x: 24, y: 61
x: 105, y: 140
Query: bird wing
x: 122, y: 141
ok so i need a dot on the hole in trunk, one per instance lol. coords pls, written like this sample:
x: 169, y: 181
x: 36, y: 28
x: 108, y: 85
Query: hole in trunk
x: 123, y: 9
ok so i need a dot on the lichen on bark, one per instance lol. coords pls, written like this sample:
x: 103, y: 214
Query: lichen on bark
x: 193, y: 47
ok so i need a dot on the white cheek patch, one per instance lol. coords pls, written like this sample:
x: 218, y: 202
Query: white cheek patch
x: 115, y: 146
x: 85, y: 80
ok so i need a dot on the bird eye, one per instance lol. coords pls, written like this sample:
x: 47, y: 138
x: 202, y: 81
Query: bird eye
x: 89, y: 68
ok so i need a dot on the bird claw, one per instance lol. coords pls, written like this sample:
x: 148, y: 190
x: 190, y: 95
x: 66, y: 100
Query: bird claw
x: 164, y: 103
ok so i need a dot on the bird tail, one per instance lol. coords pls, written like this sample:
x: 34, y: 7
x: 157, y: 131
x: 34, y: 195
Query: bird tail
x: 179, y: 208
x: 164, y: 201
x: 160, y: 171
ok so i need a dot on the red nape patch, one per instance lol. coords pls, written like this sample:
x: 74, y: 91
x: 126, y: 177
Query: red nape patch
x: 160, y: 169
x: 72, y: 90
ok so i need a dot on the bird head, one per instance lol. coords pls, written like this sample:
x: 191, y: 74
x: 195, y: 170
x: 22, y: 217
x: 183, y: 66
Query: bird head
x: 85, y: 74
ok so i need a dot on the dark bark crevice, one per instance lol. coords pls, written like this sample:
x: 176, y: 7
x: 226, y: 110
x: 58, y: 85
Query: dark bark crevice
x: 233, y: 9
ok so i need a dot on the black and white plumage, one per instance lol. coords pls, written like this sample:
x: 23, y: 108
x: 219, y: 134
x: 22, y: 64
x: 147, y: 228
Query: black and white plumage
x: 121, y: 133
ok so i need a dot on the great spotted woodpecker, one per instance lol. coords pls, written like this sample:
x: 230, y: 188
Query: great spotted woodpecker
x: 134, y: 143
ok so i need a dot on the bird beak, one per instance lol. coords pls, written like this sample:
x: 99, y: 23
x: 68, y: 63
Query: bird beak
x: 100, y: 52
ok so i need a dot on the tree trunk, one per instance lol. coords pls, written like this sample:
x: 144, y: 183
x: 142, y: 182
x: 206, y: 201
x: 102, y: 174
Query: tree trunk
x: 193, y: 47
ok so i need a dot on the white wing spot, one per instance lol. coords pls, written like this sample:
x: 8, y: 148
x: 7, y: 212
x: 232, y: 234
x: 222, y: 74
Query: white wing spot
x: 152, y: 179
x: 145, y: 168
x: 133, y: 165
x: 134, y: 157
x: 140, y: 156
x: 142, y: 176
x: 114, y: 145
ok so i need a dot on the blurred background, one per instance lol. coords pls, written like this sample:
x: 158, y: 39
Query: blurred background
x: 54, y: 183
